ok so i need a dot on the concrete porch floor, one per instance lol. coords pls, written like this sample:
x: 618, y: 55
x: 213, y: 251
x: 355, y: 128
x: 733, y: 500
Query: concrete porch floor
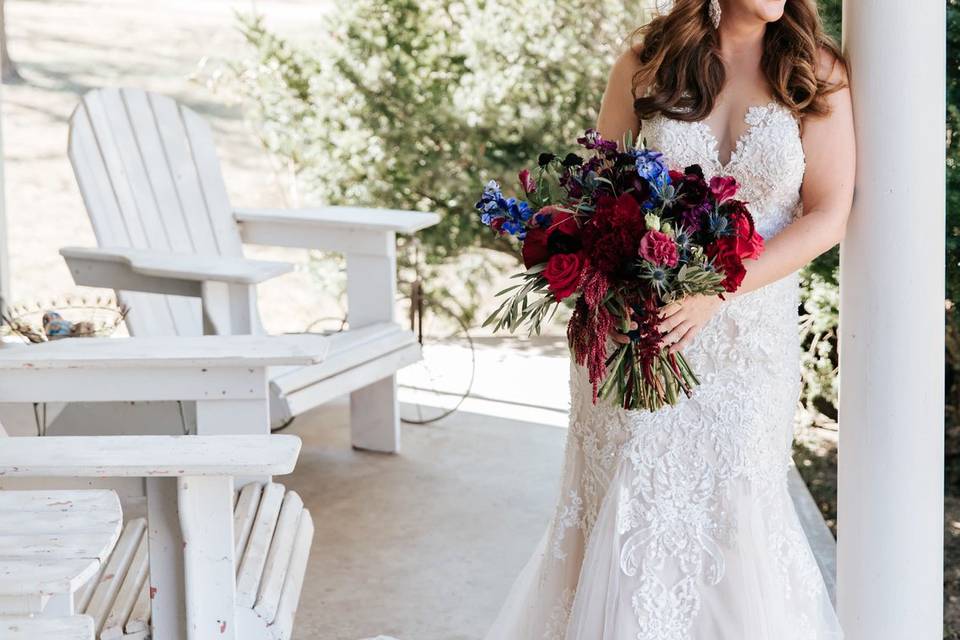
x: 423, y: 545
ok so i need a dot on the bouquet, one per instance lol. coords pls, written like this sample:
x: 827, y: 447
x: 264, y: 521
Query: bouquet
x: 619, y: 235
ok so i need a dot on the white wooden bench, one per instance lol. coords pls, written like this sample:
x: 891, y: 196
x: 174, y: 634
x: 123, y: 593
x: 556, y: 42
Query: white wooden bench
x: 226, y: 377
x: 267, y: 530
x: 151, y: 182
x: 50, y: 543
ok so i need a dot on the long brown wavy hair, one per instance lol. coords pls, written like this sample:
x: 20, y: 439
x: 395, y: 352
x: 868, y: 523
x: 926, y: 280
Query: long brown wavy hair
x: 682, y: 73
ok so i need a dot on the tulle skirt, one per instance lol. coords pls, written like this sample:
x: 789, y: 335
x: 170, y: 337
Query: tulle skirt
x: 675, y: 526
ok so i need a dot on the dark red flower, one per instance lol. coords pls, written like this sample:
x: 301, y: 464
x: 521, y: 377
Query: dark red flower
x: 749, y: 243
x: 692, y: 189
x: 612, y: 238
x: 562, y: 220
x: 723, y: 188
x: 725, y: 253
x: 534, y: 248
x: 563, y: 274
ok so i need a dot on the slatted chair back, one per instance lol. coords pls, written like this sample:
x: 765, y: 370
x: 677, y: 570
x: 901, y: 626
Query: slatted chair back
x: 150, y: 178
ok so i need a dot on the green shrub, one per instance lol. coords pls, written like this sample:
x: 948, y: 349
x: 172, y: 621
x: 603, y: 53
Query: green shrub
x: 410, y: 103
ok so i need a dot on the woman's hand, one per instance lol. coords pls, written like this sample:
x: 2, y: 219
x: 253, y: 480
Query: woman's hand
x: 622, y: 338
x: 681, y: 321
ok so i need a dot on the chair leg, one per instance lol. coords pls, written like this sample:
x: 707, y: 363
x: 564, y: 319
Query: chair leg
x: 375, y: 417
x: 205, y: 506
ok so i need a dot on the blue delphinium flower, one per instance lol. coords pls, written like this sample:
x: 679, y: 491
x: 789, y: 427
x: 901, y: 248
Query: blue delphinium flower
x: 508, y: 215
x: 651, y: 167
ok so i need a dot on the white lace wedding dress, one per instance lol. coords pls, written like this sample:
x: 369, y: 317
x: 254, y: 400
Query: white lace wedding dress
x: 677, y: 525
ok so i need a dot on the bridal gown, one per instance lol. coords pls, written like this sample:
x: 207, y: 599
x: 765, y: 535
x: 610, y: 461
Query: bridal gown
x: 677, y: 525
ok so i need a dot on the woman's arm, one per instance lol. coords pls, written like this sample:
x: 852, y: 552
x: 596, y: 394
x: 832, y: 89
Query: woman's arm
x: 616, y: 110
x: 827, y: 195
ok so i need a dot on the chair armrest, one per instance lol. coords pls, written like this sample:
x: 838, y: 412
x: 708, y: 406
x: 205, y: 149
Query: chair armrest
x: 343, y: 229
x: 148, y: 456
x: 162, y: 271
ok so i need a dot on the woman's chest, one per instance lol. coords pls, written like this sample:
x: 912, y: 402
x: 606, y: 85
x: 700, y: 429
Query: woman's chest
x: 767, y: 159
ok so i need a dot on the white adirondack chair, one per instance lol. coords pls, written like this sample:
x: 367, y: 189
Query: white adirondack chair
x: 50, y: 542
x: 251, y: 598
x: 151, y: 182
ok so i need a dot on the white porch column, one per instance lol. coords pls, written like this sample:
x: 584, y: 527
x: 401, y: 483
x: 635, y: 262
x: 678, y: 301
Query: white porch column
x: 890, y: 529
x: 4, y: 236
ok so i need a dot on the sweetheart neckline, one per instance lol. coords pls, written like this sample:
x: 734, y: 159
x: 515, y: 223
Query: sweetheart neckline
x: 741, y: 139
x: 714, y: 143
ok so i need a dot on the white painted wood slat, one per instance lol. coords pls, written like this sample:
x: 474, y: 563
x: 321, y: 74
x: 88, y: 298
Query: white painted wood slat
x: 117, y: 567
x: 162, y: 263
x: 59, y: 545
x: 81, y: 599
x: 133, y: 581
x: 41, y: 558
x: 278, y: 558
x: 183, y: 170
x: 67, y: 628
x: 200, y: 351
x: 42, y: 575
x: 354, y: 218
x: 57, y: 522
x: 255, y: 555
x: 149, y: 456
x: 211, y: 181
x: 244, y: 513
x: 142, y: 205
x: 184, y: 312
x: 204, y: 506
x: 139, y: 620
x: 282, y: 627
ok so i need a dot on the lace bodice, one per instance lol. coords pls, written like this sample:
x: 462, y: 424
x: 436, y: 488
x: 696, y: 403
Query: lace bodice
x: 767, y: 161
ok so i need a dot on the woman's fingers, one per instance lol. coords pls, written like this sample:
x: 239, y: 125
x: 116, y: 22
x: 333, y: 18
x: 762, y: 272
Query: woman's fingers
x: 674, y: 335
x: 685, y: 340
x: 668, y: 310
x: 669, y: 324
x: 621, y: 337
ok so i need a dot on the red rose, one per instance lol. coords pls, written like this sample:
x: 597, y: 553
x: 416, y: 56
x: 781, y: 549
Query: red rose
x: 749, y: 242
x: 725, y: 254
x: 723, y: 188
x: 534, y: 248
x: 562, y: 221
x: 563, y: 274
x: 659, y: 248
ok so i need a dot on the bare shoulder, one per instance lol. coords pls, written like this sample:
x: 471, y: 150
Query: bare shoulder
x: 617, y: 115
x: 626, y: 65
x: 830, y: 68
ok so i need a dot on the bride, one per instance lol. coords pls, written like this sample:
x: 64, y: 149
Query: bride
x: 677, y: 525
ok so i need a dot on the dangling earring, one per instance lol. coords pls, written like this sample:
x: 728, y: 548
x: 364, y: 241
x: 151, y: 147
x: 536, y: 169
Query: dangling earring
x: 715, y: 13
